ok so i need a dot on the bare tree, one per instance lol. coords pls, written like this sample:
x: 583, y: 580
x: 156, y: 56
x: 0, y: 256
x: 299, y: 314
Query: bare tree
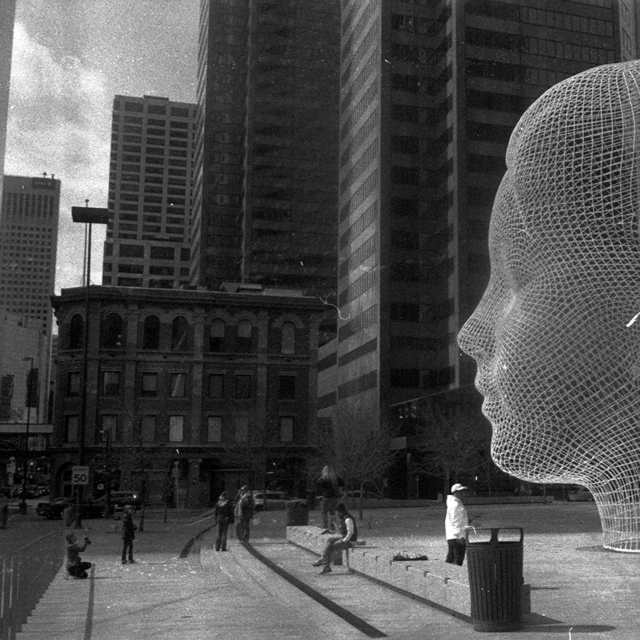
x: 452, y: 441
x: 249, y: 454
x: 360, y: 454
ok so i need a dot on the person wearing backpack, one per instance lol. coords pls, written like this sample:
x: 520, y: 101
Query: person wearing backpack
x: 349, y: 531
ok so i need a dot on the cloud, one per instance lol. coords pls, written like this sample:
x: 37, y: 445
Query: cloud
x: 59, y: 122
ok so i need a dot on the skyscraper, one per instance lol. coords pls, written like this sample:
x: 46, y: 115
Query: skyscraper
x: 266, y: 163
x: 150, y: 191
x: 430, y: 92
x: 28, y: 246
x: 29, y: 240
x: 7, y: 14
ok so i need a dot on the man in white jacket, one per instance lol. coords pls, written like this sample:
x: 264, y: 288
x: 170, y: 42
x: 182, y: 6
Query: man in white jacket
x: 455, y: 523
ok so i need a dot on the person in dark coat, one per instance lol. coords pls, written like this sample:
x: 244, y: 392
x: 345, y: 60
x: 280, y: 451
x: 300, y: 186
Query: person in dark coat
x: 128, y: 534
x: 243, y: 513
x: 329, y: 486
x: 75, y: 566
x: 223, y: 515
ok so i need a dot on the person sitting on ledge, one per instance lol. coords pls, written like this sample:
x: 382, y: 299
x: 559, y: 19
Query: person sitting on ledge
x: 75, y: 566
x: 349, y: 531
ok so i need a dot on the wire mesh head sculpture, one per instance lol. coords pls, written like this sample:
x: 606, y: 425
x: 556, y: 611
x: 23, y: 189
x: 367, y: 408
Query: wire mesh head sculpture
x: 556, y: 336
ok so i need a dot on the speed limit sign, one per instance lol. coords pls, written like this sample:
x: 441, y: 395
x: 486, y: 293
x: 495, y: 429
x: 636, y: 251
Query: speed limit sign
x: 79, y: 475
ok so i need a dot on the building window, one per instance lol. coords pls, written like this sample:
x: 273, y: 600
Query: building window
x: 216, y: 335
x: 288, y: 338
x: 149, y: 385
x: 178, y: 382
x: 176, y: 428
x: 179, y: 334
x: 111, y: 331
x: 149, y: 428
x: 241, y: 428
x: 109, y: 425
x: 110, y: 383
x: 243, y: 339
x: 73, y: 384
x: 151, y: 333
x: 71, y: 428
x: 242, y: 388
x: 286, y: 429
x: 216, y: 385
x: 214, y: 429
x: 76, y: 332
x: 286, y: 388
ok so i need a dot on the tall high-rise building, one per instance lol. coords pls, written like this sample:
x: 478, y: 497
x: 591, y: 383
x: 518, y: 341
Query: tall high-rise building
x: 430, y: 92
x: 29, y: 241
x: 7, y: 15
x: 150, y: 192
x: 28, y: 247
x: 266, y: 164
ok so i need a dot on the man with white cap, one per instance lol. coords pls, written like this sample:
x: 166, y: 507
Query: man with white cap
x: 455, y: 523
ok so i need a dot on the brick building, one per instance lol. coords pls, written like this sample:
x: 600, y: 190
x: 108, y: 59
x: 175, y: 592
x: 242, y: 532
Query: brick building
x: 187, y: 391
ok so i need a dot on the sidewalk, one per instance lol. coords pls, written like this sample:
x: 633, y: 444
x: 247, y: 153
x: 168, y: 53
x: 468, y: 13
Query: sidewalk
x: 226, y: 596
x: 579, y: 591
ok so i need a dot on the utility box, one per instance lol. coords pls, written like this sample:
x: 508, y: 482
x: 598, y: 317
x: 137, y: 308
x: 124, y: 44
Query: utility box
x: 297, y: 513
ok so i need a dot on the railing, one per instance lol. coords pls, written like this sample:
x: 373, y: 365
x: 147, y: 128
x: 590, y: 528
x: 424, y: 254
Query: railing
x: 25, y: 575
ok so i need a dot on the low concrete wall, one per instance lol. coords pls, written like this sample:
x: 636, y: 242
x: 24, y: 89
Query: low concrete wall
x: 440, y: 583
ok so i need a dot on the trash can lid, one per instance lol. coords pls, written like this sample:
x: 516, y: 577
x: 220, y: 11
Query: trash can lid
x: 494, y: 535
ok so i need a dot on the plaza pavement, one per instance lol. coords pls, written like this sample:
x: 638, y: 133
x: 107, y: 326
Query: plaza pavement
x: 579, y: 591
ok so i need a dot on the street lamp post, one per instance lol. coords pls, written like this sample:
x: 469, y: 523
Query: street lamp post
x: 29, y: 397
x: 87, y: 215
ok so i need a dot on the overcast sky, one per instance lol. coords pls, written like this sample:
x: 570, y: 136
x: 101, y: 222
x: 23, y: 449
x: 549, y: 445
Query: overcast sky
x: 70, y: 58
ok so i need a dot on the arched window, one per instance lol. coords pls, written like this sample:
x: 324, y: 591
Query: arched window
x: 76, y: 332
x: 288, y: 344
x: 179, y: 334
x: 243, y: 338
x: 151, y: 333
x: 216, y: 335
x: 112, y: 331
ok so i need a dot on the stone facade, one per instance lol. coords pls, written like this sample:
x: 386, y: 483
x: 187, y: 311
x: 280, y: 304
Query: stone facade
x: 188, y: 392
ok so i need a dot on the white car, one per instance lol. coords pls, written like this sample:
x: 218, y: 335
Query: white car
x: 272, y: 497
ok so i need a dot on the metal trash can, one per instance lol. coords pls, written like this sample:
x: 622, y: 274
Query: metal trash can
x: 297, y: 513
x: 494, y: 561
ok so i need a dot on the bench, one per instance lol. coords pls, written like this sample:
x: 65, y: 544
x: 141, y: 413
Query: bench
x: 338, y: 555
x: 441, y: 584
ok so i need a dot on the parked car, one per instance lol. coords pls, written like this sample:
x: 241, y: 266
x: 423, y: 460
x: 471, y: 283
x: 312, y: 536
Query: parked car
x: 119, y: 499
x: 54, y: 509
x: 273, y: 498
x: 579, y: 494
x: 31, y: 491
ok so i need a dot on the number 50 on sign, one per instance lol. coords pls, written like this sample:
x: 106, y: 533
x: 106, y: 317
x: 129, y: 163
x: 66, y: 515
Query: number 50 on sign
x: 79, y: 475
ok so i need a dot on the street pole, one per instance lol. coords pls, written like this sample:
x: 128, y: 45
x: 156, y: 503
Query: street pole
x: 25, y: 462
x: 87, y: 215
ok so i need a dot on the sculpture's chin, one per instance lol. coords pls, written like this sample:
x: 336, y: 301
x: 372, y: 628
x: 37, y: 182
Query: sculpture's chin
x: 531, y: 457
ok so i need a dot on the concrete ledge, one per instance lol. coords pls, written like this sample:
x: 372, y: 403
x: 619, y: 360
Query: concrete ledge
x: 441, y: 584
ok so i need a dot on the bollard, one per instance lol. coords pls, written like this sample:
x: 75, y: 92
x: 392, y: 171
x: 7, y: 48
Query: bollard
x: 495, y: 580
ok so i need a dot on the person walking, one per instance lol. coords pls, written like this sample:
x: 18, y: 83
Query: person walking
x: 348, y: 535
x: 328, y: 486
x: 243, y: 513
x: 128, y: 535
x: 223, y: 515
x: 456, y: 523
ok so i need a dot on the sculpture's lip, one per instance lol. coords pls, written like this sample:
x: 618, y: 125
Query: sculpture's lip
x: 482, y: 383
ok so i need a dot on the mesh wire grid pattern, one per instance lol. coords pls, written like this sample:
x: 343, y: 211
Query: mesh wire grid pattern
x: 556, y: 336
